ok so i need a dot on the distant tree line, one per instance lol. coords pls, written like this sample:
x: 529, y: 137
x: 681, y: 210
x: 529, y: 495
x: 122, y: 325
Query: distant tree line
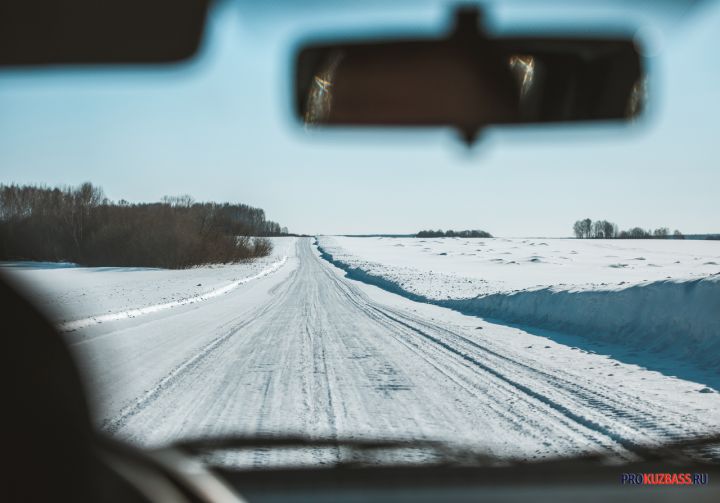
x: 453, y: 234
x: 79, y: 224
x: 602, y: 229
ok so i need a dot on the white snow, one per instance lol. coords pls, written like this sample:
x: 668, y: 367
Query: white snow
x: 440, y: 268
x: 660, y: 296
x: 304, y: 349
x: 132, y: 313
x: 76, y: 297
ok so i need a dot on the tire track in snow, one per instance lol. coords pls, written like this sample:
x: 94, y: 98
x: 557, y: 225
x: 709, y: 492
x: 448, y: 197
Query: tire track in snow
x: 637, y: 421
x: 115, y: 424
x: 322, y: 357
x: 620, y: 405
x: 574, y: 418
x: 594, y: 434
x: 645, y: 416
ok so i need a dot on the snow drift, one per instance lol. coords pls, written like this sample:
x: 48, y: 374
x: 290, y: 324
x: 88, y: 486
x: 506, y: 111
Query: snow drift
x: 78, y: 297
x: 681, y: 318
x: 674, y: 317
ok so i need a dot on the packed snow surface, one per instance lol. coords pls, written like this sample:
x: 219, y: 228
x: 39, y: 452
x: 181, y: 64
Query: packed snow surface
x: 660, y: 296
x: 305, y: 349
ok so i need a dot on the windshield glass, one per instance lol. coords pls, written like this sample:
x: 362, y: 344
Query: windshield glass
x: 220, y: 269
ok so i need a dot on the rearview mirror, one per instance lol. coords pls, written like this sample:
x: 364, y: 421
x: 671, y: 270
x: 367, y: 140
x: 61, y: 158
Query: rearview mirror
x: 468, y: 81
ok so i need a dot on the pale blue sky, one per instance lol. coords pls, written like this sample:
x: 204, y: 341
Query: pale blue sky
x: 220, y: 128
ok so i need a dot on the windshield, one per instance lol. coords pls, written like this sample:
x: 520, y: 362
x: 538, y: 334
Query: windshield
x: 220, y: 269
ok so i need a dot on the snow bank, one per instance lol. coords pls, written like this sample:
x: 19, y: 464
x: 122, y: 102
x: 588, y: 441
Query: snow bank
x: 457, y: 268
x: 679, y: 317
x: 154, y: 308
x: 76, y: 297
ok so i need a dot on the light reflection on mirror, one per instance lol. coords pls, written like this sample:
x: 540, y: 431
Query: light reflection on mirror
x: 320, y: 95
x: 638, y: 98
x: 523, y: 66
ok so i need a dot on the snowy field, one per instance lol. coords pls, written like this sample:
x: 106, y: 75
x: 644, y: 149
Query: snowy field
x: 76, y: 297
x: 308, y: 343
x: 440, y: 268
x: 661, y: 296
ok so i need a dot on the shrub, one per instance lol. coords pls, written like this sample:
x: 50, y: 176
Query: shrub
x: 80, y: 225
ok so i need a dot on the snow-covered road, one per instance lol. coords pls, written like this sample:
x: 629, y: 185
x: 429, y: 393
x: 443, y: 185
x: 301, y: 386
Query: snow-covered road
x: 306, y: 350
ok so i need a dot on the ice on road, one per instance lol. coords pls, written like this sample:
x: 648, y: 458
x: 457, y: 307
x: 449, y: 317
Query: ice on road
x: 306, y: 350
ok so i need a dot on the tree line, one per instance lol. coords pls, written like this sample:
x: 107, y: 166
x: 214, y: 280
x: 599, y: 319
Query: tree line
x: 453, y: 234
x: 602, y: 229
x: 79, y: 224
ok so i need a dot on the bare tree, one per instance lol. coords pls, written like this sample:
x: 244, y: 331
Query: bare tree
x: 578, y: 229
x: 598, y: 229
x: 79, y: 224
x: 638, y: 233
x: 661, y: 232
x: 609, y: 229
x: 603, y: 229
x: 587, y: 228
x: 183, y: 201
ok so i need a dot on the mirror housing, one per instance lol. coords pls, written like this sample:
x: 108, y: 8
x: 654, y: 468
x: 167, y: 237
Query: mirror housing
x: 468, y: 81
